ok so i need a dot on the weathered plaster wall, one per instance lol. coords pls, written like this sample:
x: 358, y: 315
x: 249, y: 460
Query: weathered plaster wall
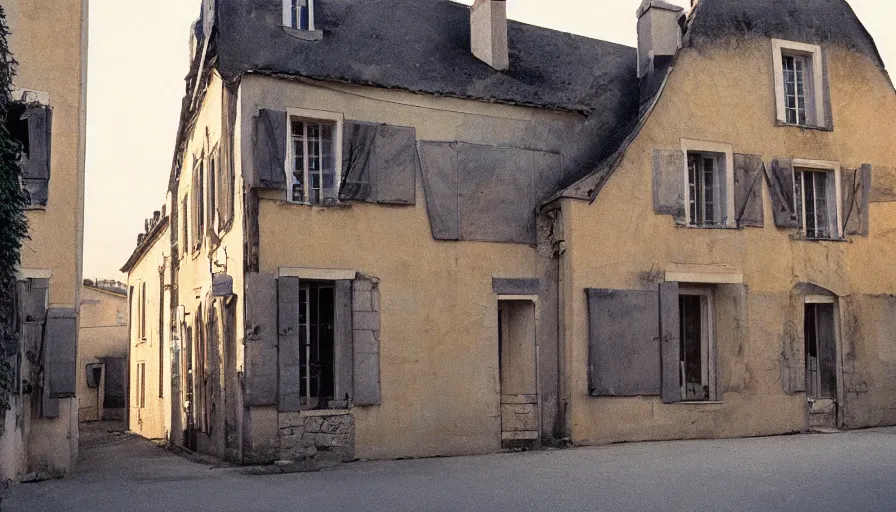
x: 50, y: 44
x: 439, y: 350
x: 726, y: 94
x: 103, y: 332
x: 154, y: 420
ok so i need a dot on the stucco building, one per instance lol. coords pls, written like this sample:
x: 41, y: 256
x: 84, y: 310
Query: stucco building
x: 438, y: 232
x: 102, y: 350
x: 49, y: 41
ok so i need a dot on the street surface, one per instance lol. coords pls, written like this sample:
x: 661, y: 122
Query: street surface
x: 854, y: 471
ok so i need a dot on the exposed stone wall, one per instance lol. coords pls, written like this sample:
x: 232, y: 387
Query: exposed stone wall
x: 318, y: 435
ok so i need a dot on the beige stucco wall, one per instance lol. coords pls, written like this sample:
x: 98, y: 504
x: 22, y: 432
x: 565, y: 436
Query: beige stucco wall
x: 152, y: 421
x: 726, y: 94
x: 103, y: 332
x: 49, y: 41
x: 438, y: 341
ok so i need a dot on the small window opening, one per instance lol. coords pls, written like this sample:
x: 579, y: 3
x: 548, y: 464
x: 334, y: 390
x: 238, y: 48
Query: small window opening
x: 799, y: 91
x: 815, y: 199
x: 313, y: 177
x: 707, y: 189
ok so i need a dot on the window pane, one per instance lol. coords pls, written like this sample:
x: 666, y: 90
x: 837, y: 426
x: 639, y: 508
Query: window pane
x: 798, y: 197
x: 692, y: 188
x: 810, y: 205
x: 800, y: 73
x: 822, y: 228
x: 709, y: 198
x: 790, y: 103
x: 298, y: 167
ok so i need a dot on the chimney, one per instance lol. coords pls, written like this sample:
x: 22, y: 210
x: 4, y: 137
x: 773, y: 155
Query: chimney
x: 659, y: 34
x: 488, y: 33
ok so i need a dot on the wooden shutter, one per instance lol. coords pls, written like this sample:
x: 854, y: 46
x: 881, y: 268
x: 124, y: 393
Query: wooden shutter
x: 379, y: 163
x: 61, y: 352
x: 855, y: 191
x: 780, y: 184
x: 32, y: 295
x: 261, y: 340
x: 624, y: 352
x: 343, y: 356
x: 748, y: 173
x: 288, y: 347
x: 793, y: 351
x: 358, y: 140
x: 670, y: 342
x: 668, y: 184
x: 36, y: 166
x: 271, y: 137
x: 366, y: 341
x: 440, y: 176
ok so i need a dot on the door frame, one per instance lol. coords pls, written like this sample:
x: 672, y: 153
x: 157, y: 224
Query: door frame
x: 534, y: 300
x: 838, y: 347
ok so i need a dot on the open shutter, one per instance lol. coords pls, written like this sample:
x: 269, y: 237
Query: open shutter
x: 624, y: 355
x: 36, y: 166
x: 261, y: 340
x: 32, y: 312
x: 343, y: 357
x: 440, y: 176
x: 270, y: 149
x: 366, y: 341
x: 358, y: 140
x: 670, y: 343
x: 856, y: 191
x: 748, y: 173
x: 379, y: 163
x: 289, y: 344
x: 780, y: 184
x: 61, y: 352
x: 668, y: 184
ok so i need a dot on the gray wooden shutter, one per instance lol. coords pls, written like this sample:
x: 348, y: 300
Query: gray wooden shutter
x: 440, y: 176
x: 61, y: 352
x: 358, y: 140
x: 261, y: 340
x: 396, y: 165
x: 343, y: 356
x: 271, y: 134
x: 32, y: 295
x: 289, y: 344
x: 668, y: 184
x: 856, y: 191
x: 366, y: 341
x: 670, y: 342
x: 748, y: 173
x: 624, y: 353
x: 793, y: 358
x: 36, y: 166
x: 780, y: 184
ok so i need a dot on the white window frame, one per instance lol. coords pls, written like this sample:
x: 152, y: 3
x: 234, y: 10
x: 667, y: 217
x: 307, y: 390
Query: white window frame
x: 827, y: 166
x: 288, y: 14
x: 780, y: 48
x: 319, y: 116
x: 708, y: 341
x: 727, y: 152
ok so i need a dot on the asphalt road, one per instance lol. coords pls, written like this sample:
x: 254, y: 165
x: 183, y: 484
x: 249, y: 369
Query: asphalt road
x: 854, y: 471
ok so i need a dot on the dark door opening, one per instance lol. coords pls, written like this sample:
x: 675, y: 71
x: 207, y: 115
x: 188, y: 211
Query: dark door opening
x: 821, y: 364
x: 517, y: 353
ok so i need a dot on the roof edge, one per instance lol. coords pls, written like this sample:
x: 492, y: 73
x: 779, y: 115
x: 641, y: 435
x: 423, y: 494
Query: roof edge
x: 141, y: 250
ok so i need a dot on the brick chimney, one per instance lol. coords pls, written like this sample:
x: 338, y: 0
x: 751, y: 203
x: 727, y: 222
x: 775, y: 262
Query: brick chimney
x: 659, y: 34
x: 488, y: 33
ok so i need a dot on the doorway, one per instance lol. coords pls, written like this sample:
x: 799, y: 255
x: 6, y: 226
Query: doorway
x: 820, y: 331
x: 518, y: 357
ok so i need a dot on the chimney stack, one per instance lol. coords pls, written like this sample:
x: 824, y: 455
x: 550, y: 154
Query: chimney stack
x: 659, y: 34
x: 488, y: 33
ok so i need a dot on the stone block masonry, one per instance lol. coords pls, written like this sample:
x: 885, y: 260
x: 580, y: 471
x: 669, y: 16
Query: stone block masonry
x: 325, y: 436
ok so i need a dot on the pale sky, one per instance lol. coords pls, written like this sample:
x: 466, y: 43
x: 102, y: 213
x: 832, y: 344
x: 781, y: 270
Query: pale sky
x: 137, y: 66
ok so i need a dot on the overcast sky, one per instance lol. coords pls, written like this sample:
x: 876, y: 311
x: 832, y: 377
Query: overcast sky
x: 137, y: 64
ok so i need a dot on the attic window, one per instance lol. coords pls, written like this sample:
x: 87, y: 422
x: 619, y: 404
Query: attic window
x: 298, y: 14
x: 799, y: 84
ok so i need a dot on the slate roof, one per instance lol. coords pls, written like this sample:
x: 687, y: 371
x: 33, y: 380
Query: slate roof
x: 424, y: 46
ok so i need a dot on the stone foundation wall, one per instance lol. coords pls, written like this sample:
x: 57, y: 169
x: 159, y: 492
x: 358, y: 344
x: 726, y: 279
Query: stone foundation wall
x: 317, y: 435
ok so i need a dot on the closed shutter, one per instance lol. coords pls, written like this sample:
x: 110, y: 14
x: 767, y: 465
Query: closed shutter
x: 271, y: 137
x: 289, y: 348
x: 32, y: 313
x: 668, y: 184
x: 366, y: 341
x: 261, y: 340
x: 793, y: 350
x: 748, y: 173
x: 856, y: 191
x: 624, y: 353
x: 670, y: 342
x: 780, y: 184
x: 379, y: 163
x: 36, y: 165
x: 61, y: 352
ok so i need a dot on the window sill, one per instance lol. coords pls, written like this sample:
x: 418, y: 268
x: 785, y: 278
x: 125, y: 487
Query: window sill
x: 324, y: 412
x: 718, y: 228
x: 305, y: 35
x: 333, y: 206
x: 782, y: 124
x: 700, y: 402
x: 802, y: 238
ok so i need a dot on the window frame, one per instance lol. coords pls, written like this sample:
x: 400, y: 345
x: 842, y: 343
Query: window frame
x: 289, y: 16
x: 723, y: 152
x: 707, y: 342
x: 313, y: 116
x: 802, y: 165
x: 781, y: 48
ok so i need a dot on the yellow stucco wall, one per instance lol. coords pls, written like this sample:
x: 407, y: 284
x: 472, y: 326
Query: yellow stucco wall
x: 726, y: 94
x: 438, y: 340
x: 49, y: 41
x: 103, y: 332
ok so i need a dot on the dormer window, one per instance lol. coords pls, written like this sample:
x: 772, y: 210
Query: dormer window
x: 298, y: 14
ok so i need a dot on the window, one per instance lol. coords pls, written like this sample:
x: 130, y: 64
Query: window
x: 316, y: 339
x: 140, y: 400
x: 212, y: 191
x: 697, y: 374
x: 799, y: 83
x: 816, y: 194
x: 141, y: 311
x: 298, y: 14
x: 161, y: 336
x: 709, y: 183
x: 186, y: 226
x: 30, y: 124
x: 313, y: 178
